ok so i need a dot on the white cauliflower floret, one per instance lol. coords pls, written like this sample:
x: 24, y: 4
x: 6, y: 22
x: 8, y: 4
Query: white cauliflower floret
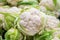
x: 3, y: 9
x: 31, y: 21
x: 14, y: 11
x: 48, y: 4
x: 56, y: 35
x: 52, y: 22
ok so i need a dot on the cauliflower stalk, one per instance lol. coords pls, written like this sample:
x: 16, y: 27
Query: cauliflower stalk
x: 52, y: 22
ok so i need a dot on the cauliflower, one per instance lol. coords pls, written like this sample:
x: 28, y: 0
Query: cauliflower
x: 52, y: 22
x: 48, y: 4
x: 56, y: 34
x: 12, y: 11
x: 30, y: 21
x: 53, y: 5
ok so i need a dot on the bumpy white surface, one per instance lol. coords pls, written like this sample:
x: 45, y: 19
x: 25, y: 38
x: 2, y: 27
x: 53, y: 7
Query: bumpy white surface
x: 10, y: 10
x: 14, y: 10
x: 31, y: 21
x: 47, y: 3
x: 56, y: 35
x: 52, y: 22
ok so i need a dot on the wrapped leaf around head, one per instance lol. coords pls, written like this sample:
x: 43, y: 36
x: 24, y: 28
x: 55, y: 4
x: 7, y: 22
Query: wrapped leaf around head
x: 13, y: 34
x: 10, y: 14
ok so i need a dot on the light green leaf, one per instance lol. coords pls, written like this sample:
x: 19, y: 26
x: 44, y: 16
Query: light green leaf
x: 0, y: 37
x: 55, y: 2
x: 46, y: 35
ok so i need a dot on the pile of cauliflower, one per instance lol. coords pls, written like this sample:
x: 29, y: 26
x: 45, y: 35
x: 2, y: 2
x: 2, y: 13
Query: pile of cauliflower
x: 29, y: 20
